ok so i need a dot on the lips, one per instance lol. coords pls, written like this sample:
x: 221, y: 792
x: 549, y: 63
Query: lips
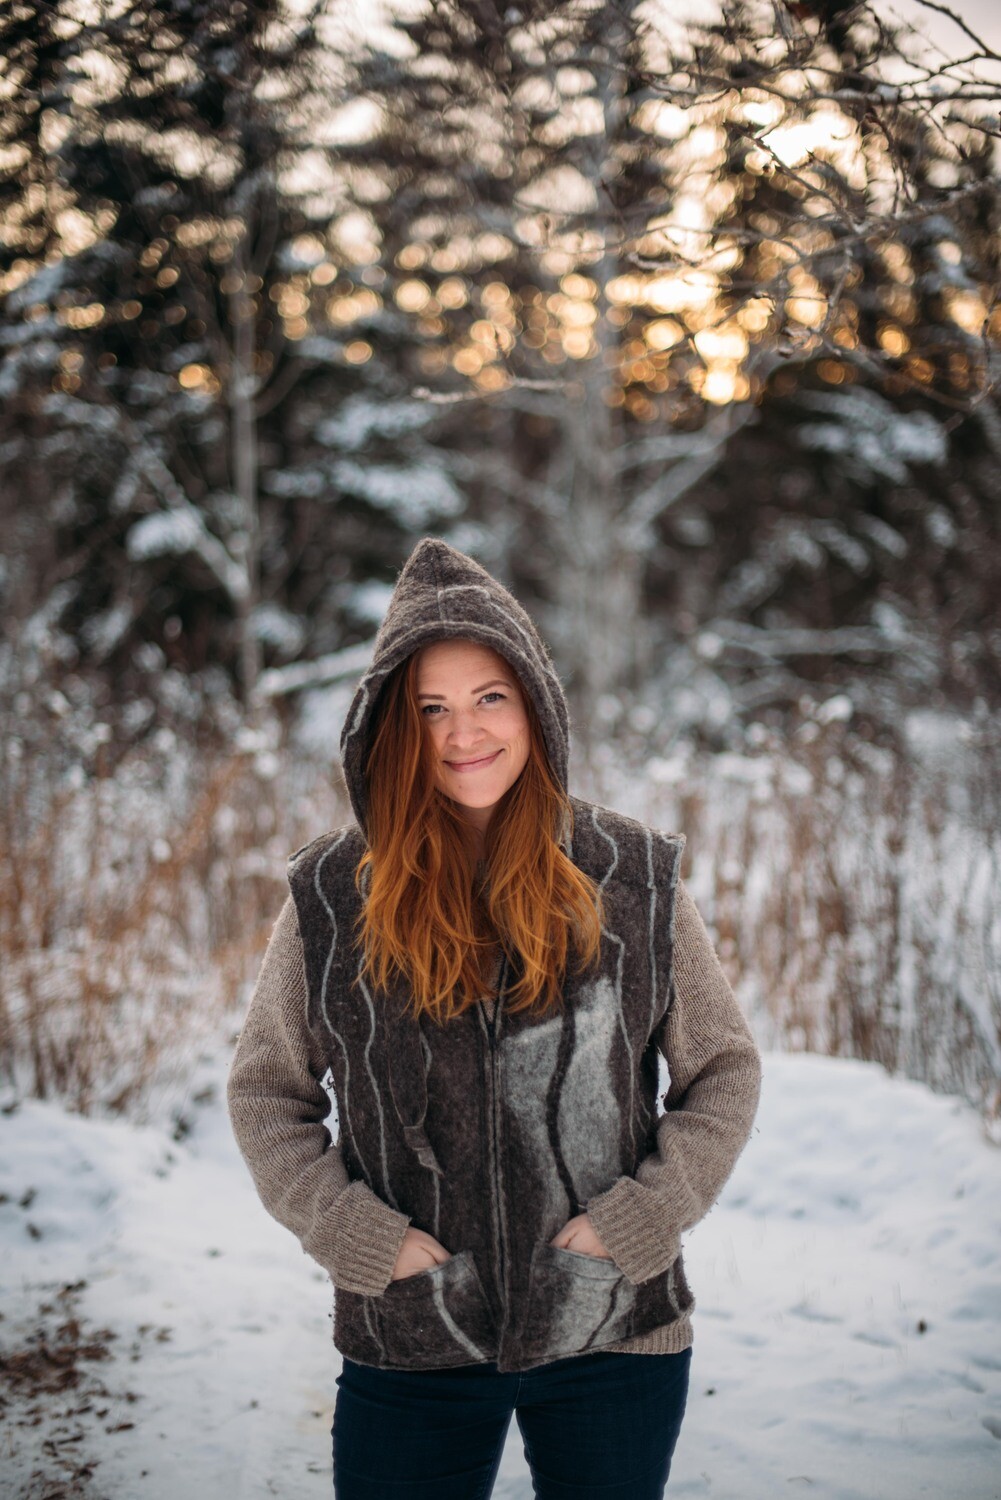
x: 472, y: 765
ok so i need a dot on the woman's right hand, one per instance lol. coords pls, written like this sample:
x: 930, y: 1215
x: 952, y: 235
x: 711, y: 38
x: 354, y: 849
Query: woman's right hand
x: 418, y: 1252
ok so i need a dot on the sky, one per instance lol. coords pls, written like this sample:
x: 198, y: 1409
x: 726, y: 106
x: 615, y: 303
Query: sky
x: 983, y: 16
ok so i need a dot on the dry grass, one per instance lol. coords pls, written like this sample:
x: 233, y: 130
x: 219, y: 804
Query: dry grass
x: 855, y: 901
x: 854, y: 904
x: 133, y: 912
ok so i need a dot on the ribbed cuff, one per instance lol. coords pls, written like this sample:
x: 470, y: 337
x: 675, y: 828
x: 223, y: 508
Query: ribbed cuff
x: 367, y: 1235
x: 633, y: 1225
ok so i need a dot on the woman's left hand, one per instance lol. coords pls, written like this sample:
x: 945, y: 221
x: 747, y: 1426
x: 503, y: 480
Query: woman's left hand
x: 579, y: 1234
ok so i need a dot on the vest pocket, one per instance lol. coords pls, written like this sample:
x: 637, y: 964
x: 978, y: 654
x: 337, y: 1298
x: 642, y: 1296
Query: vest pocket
x: 575, y: 1301
x: 436, y: 1317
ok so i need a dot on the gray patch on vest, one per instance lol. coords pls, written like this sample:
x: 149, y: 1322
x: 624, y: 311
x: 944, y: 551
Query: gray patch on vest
x: 589, y: 1114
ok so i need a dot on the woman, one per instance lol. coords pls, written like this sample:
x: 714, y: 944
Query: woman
x: 489, y: 967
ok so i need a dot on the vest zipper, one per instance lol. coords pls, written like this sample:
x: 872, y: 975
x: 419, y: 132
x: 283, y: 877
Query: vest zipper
x: 495, y: 1109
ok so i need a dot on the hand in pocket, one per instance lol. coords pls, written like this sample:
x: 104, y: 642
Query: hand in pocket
x: 579, y: 1234
x: 419, y: 1252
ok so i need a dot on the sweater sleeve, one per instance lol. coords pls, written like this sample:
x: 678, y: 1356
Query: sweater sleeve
x: 277, y: 1107
x: 715, y: 1073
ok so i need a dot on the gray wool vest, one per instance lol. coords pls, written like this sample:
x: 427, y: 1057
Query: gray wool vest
x: 491, y: 1134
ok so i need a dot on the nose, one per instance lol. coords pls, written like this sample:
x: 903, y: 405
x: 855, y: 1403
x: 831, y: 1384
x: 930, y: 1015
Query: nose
x: 464, y: 730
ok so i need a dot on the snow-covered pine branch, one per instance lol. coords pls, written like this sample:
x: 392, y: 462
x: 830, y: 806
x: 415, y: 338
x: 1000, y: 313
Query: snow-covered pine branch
x: 351, y: 662
x: 779, y: 642
x: 181, y: 528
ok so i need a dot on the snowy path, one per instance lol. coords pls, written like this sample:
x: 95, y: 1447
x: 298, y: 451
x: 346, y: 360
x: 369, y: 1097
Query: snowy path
x: 847, y: 1332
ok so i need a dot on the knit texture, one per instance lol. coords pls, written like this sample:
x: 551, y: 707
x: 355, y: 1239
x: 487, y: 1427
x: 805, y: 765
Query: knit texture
x: 491, y: 1132
x: 278, y: 1106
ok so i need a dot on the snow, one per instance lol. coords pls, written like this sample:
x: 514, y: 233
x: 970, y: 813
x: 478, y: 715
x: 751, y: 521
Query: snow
x: 293, y: 483
x: 418, y: 494
x: 39, y: 356
x: 278, y: 627
x: 322, y: 712
x: 367, y: 601
x: 838, y: 708
x: 339, y: 667
x: 42, y: 286
x: 843, y: 545
x: 361, y: 418
x: 163, y: 532
x: 870, y: 437
x: 847, y: 1326
x: 182, y: 529
x: 882, y: 534
x: 102, y: 632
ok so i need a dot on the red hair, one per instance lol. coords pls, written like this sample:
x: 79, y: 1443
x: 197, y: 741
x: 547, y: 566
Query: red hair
x: 424, y: 916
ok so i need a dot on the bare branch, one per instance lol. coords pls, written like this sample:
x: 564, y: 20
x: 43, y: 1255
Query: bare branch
x: 944, y: 10
x: 706, y: 449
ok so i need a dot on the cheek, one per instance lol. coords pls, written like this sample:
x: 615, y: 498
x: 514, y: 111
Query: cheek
x: 520, y: 740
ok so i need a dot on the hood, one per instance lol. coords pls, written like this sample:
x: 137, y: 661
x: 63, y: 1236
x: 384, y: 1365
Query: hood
x: 442, y: 593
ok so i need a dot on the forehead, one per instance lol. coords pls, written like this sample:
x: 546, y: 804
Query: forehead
x: 455, y: 658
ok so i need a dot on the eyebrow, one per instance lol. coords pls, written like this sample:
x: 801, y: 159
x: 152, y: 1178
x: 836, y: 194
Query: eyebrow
x: 494, y: 682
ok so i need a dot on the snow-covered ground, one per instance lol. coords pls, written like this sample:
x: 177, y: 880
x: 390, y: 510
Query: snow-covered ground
x: 847, y: 1328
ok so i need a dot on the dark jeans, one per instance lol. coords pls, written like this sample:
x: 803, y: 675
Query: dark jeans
x: 595, y: 1427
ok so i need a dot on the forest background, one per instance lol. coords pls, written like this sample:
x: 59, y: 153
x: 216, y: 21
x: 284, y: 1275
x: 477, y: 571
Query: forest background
x: 688, y: 330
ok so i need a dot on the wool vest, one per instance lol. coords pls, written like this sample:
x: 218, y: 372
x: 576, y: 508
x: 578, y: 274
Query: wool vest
x: 494, y: 1129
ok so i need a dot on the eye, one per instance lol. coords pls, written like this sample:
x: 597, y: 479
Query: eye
x: 493, y: 694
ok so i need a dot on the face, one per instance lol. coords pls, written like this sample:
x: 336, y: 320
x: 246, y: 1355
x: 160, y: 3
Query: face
x: 475, y: 713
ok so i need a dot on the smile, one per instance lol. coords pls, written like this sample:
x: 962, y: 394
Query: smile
x: 472, y: 765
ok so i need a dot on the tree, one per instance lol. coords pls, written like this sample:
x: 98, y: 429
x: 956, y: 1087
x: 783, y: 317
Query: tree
x: 683, y: 232
x: 167, y: 364
x: 858, y: 231
x: 587, y: 285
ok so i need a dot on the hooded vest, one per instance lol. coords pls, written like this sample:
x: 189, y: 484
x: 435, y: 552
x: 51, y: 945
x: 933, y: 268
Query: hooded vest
x: 492, y: 1130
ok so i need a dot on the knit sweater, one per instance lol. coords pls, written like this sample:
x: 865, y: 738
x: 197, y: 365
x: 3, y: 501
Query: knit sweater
x: 490, y: 1132
x: 278, y: 1108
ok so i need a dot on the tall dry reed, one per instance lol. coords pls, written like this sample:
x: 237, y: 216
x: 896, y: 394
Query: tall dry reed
x: 134, y: 908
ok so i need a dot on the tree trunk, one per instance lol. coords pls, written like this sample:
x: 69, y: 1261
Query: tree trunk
x: 243, y: 439
x: 599, y: 576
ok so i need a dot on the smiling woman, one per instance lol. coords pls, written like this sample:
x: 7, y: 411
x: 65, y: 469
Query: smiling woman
x: 479, y: 729
x: 467, y: 824
x: 489, y: 967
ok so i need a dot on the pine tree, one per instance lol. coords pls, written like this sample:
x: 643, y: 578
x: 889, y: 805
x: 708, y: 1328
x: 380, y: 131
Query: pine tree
x: 181, y: 364
x: 512, y: 169
x: 671, y: 279
x: 680, y: 377
x: 862, y: 271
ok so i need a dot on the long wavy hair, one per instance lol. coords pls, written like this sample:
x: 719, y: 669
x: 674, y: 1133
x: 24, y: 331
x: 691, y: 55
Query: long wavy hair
x: 425, y: 914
